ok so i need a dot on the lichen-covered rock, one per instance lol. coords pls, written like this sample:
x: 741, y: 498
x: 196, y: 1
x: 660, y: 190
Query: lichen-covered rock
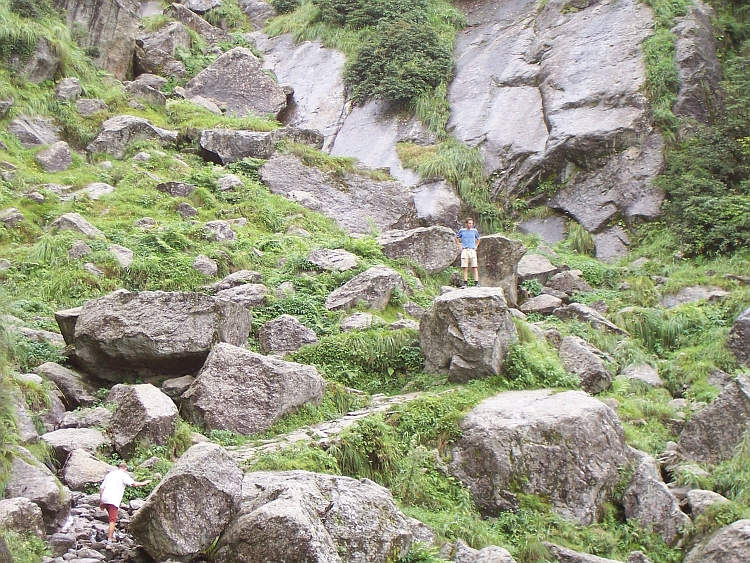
x: 119, y: 131
x: 143, y: 415
x: 712, y: 434
x: 284, y: 334
x: 541, y: 304
x: 75, y: 386
x: 584, y: 360
x: 467, y: 333
x: 245, y: 392
x: 731, y: 544
x: 565, y: 446
x: 301, y: 516
x: 374, y: 287
x: 498, y: 257
x: 336, y: 260
x: 126, y: 336
x: 431, y: 248
x: 219, y: 231
x: 55, y: 158
x: 247, y: 295
x: 191, y: 505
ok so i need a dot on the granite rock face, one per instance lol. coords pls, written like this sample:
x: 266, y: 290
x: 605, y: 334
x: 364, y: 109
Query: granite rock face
x: 497, y: 258
x: 431, y: 248
x: 731, y: 544
x: 374, y: 287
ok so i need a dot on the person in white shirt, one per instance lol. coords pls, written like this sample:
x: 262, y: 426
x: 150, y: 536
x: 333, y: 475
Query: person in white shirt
x: 111, y: 491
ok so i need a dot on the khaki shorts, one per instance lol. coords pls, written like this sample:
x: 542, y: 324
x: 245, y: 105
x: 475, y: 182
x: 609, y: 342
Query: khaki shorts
x: 468, y: 258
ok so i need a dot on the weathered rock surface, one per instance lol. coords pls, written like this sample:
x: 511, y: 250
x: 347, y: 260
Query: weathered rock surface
x: 65, y: 440
x: 205, y: 265
x: 431, y: 248
x: 32, y: 480
x: 712, y: 434
x: 535, y: 267
x: 374, y: 286
x: 247, y: 295
x: 360, y: 321
x: 437, y: 204
x: 584, y: 360
x: 301, y: 516
x: 562, y: 554
x: 587, y: 314
x: 645, y: 373
x: 550, y: 229
x: 731, y: 544
x: 141, y: 92
x: 11, y: 217
x: 739, y: 338
x: 119, y: 131
x: 55, y: 158
x: 569, y: 282
x: 245, y: 392
x: 208, y: 32
x: 566, y: 446
x: 34, y: 131
x: 86, y: 418
x: 284, y: 334
x: 259, y: 11
x: 649, y: 501
x: 81, y: 469
x: 237, y: 278
x: 75, y: 386
x: 88, y: 107
x: 111, y: 26
x: 237, y: 80
x: 337, y: 260
x: 542, y: 304
x: 462, y: 553
x: 498, y: 257
x: 154, y: 51
x: 611, y: 244
x: 125, y: 336
x: 143, y: 415
x: 355, y: 202
x: 42, y: 64
x: 66, y: 320
x: 219, y: 231
x: 192, y: 504
x: 693, y: 294
x: 699, y: 500
x: 231, y: 145
x: 68, y: 89
x: 24, y: 425
x: 467, y: 334
x: 21, y: 516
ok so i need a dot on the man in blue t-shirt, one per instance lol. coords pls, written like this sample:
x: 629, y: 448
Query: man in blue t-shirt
x: 467, y: 240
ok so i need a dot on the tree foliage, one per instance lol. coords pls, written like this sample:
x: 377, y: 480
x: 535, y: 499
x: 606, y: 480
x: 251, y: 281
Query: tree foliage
x: 357, y: 14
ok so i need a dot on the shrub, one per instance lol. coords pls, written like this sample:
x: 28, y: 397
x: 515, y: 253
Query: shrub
x: 534, y: 365
x: 402, y: 61
x: 285, y: 6
x: 357, y: 14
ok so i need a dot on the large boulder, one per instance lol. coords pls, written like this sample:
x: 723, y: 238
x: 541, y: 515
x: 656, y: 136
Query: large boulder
x: 231, y: 145
x: 21, y: 516
x: 143, y: 415
x: 586, y: 314
x: 649, y: 501
x: 74, y: 385
x: 111, y: 27
x: 467, y: 334
x: 66, y: 320
x: 535, y: 267
x: 82, y: 469
x: 567, y: 447
x: 498, y: 257
x: 284, y: 334
x: 301, y: 516
x: 247, y: 295
x: 191, y: 505
x: 34, y: 131
x: 119, y: 131
x: 237, y: 80
x: 374, y: 287
x: 209, y: 33
x: 55, y: 158
x: 431, y: 248
x: 739, y: 338
x: 65, y: 440
x: 126, y: 336
x: 245, y: 392
x: 42, y: 64
x: 355, y: 201
x: 155, y: 52
x: 584, y: 360
x: 731, y: 544
x: 462, y: 553
x: 437, y: 204
x: 712, y: 434
x: 337, y: 260
x: 75, y: 222
x: 24, y: 423
x: 87, y: 418
x: 31, y: 479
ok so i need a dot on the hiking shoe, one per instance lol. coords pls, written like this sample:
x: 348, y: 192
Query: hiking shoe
x: 476, y: 284
x: 463, y: 284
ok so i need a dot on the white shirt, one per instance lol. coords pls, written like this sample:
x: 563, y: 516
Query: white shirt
x: 113, y: 487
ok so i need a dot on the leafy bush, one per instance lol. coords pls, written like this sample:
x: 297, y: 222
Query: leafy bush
x: 285, y: 6
x: 26, y: 548
x: 535, y: 365
x: 400, y: 62
x: 357, y: 14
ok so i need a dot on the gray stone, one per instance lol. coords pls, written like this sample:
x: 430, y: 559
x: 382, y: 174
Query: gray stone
x: 210, y: 34
x: 231, y: 145
x: 186, y: 210
x: 11, y: 217
x: 21, y: 516
x: 550, y: 229
x: 79, y: 249
x: 565, y: 446
x: 284, y: 334
x: 5, y: 265
x: 739, y: 338
x: 41, y: 336
x: 75, y: 386
x: 219, y: 231
x: 125, y: 336
x: 498, y: 257
x: 74, y: 222
x: 259, y: 12
x: 88, y: 107
x: 431, y: 248
x: 356, y: 202
x: 207, y: 485
x: 156, y: 82
x: 229, y: 182
x: 69, y: 89
x: 643, y: 372
x: 437, y: 204
x: 584, y: 360
x: 569, y: 282
x: 467, y: 334
x: 66, y: 320
x: 247, y: 295
x: 41, y: 65
x: 155, y: 50
x: 374, y: 287
x: 535, y: 267
x: 5, y: 106
x: 542, y: 304
x: 285, y: 289
x: 119, y: 131
x: 124, y: 256
x: 174, y: 388
x: 301, y: 516
x: 36, y: 197
x: 93, y: 191
x: 564, y: 555
x: 730, y: 544
x: 648, y: 500
x: 144, y: 93
x: 611, y: 245
x: 586, y: 314
x: 34, y: 131
x: 245, y: 392
x: 143, y: 415
x: 404, y: 324
x: 237, y: 80
x: 462, y: 553
x: 93, y: 269
x: 55, y: 158
x: 65, y: 440
x: 360, y: 321
x: 201, y: 6
x: 413, y: 309
x: 205, y: 265
x: 692, y: 295
x: 176, y: 189
x: 712, y: 434
x: 82, y: 469
x: 86, y: 418
x: 699, y: 500
x: 240, y: 277
x: 145, y: 223
x: 337, y: 260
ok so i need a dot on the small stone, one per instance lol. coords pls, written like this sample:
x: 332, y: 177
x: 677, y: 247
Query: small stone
x: 55, y: 158
x: 106, y: 165
x: 11, y: 217
x: 229, y: 182
x: 36, y: 197
x: 205, y: 265
x: 123, y: 255
x: 69, y: 89
x: 142, y: 157
x: 93, y: 269
x: 79, y: 249
x: 186, y: 210
x: 88, y: 107
x: 145, y: 223
x: 4, y: 264
x: 285, y: 289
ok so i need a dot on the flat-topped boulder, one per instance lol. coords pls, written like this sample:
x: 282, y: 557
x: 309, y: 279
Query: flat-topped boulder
x: 467, y: 333
x: 247, y: 295
x: 302, y: 516
x: 21, y: 516
x: 65, y: 440
x: 75, y: 222
x: 431, y: 248
x: 535, y: 267
x: 374, y: 287
x: 245, y: 392
x: 82, y: 469
x: 231, y: 145
x: 127, y: 336
x: 120, y: 131
x: 567, y: 447
x: 284, y: 334
x: 332, y: 260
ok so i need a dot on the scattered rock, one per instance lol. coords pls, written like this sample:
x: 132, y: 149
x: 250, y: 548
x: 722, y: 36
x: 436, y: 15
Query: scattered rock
x: 174, y: 388
x: 156, y: 50
x: 240, y: 277
x: 65, y: 440
x: 692, y: 295
x: 79, y: 249
x: 611, y: 244
x: 247, y: 295
x: 93, y: 269
x: 124, y: 256
x: 208, y: 32
x: 40, y: 65
x: 565, y: 555
x: 535, y: 267
x: 34, y: 131
x: 86, y: 418
x: 205, y: 265
x: 88, y: 107
x: 332, y: 260
x: 284, y: 334
x: 21, y: 516
x: 413, y: 309
x: 229, y: 182
x: 144, y: 93
x: 55, y: 158
x: 75, y: 386
x: 118, y: 132
x: 360, y: 321
x: 374, y: 286
x: 433, y: 248
x: 541, y: 304
x: 74, y: 222
x: 699, y: 500
x: 82, y: 469
x: 728, y: 545
x: 231, y: 145
x: 176, y: 189
x: 643, y: 372
x: 467, y: 334
x: 569, y: 282
x: 219, y: 231
x: 498, y: 259
x: 586, y: 314
x: 739, y: 338
x: 584, y: 360
x: 155, y: 81
x: 186, y: 210
x: 11, y: 217
x: 145, y: 223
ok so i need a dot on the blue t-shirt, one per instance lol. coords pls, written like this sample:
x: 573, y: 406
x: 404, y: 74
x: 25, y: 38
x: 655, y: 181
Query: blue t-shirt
x: 469, y: 237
